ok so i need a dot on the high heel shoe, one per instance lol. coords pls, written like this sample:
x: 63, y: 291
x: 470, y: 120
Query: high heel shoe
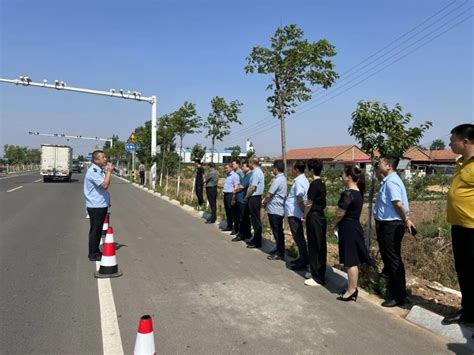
x: 352, y: 297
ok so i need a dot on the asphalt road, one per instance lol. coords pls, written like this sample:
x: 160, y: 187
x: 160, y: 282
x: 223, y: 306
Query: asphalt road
x: 206, y: 294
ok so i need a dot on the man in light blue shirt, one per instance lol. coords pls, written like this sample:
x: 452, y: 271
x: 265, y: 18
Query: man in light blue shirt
x: 391, y: 220
x: 254, y: 197
x: 96, y: 184
x: 236, y: 210
x: 231, y: 182
x: 294, y: 210
x: 242, y: 204
x: 274, y: 204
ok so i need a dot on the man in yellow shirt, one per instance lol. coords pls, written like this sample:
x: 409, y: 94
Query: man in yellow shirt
x: 460, y: 212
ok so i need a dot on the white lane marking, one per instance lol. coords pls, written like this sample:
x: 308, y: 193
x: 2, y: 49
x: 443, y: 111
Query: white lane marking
x: 111, y: 339
x: 38, y: 180
x: 16, y: 175
x: 16, y: 188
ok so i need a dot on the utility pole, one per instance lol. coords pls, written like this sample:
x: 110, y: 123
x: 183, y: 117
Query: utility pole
x: 61, y: 86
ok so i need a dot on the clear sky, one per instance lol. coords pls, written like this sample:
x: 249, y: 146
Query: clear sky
x: 194, y: 50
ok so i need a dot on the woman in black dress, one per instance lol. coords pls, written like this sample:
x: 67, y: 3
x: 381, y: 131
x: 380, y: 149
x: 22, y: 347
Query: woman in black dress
x: 352, y: 249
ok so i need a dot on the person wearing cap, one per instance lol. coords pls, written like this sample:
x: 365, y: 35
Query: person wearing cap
x: 96, y: 185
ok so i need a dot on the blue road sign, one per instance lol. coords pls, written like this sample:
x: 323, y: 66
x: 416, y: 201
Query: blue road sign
x: 130, y: 147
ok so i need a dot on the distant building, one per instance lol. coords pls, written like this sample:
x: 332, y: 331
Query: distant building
x: 333, y: 157
x: 220, y: 156
x: 431, y: 161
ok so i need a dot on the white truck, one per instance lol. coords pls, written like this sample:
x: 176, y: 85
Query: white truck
x: 56, y: 162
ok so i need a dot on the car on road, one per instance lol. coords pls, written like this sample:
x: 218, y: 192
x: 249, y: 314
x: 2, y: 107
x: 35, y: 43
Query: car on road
x: 76, y: 167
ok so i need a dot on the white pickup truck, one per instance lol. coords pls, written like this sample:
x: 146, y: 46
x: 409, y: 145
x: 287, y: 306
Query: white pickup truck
x: 56, y: 162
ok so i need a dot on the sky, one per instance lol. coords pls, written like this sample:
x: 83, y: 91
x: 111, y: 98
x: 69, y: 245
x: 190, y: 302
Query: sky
x: 418, y: 53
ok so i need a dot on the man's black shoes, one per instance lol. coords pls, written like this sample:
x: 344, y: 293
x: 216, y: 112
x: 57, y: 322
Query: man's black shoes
x: 275, y: 257
x: 392, y: 303
x: 95, y: 257
x: 253, y: 246
x: 210, y: 222
x: 226, y: 230
x: 236, y: 239
x: 456, y: 318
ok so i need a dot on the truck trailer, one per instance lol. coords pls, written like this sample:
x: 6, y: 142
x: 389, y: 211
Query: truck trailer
x: 56, y: 162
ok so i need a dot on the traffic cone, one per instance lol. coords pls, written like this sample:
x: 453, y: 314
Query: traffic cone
x: 145, y: 343
x: 108, y: 262
x: 105, y: 228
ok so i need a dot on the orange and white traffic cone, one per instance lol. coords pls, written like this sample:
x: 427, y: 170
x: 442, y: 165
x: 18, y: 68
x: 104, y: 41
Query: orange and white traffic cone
x: 105, y: 228
x: 108, y: 262
x: 145, y: 343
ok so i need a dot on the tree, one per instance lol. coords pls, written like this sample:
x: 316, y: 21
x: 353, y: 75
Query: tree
x: 219, y: 120
x: 117, y: 153
x: 21, y: 155
x: 234, y: 152
x: 294, y: 65
x: 438, y: 144
x: 198, y: 152
x: 80, y: 158
x: 184, y: 121
x: 380, y: 129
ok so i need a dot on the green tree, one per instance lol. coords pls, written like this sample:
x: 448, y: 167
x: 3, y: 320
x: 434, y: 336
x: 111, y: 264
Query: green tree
x: 380, y: 129
x: 438, y: 144
x: 234, y: 152
x: 184, y: 121
x: 219, y: 120
x: 294, y: 64
x: 117, y: 153
x: 198, y: 152
x: 80, y: 158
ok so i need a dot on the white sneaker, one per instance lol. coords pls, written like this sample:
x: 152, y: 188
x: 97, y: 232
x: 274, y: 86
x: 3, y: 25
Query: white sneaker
x: 308, y: 275
x: 311, y: 282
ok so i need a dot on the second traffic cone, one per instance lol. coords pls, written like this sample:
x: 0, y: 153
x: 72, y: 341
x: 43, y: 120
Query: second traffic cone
x: 105, y: 228
x: 108, y: 262
x: 145, y: 343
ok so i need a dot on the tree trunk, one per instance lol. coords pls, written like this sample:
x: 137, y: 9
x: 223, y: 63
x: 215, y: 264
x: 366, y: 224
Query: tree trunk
x: 368, y: 239
x: 283, y: 141
x: 212, y: 151
x: 179, y: 166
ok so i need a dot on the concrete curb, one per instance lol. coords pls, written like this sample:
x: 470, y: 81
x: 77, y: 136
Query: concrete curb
x: 432, y: 321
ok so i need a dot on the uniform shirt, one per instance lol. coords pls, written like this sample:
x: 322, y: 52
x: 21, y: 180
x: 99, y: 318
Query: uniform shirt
x: 212, y: 178
x: 240, y: 173
x: 96, y: 196
x: 278, y: 190
x: 298, y: 189
x: 460, y: 207
x: 392, y: 189
x: 257, y: 180
x: 231, y: 181
x: 245, y: 183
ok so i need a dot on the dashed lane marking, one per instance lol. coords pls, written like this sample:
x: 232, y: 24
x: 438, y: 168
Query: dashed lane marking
x: 111, y: 339
x: 16, y: 188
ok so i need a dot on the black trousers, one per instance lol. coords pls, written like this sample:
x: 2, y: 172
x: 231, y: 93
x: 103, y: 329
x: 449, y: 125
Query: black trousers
x: 316, y: 228
x: 296, y: 228
x: 463, y: 250
x: 244, y: 228
x: 255, y: 204
x: 211, y: 193
x: 142, y: 178
x: 199, y: 193
x: 389, y: 237
x: 96, y: 219
x: 236, y: 211
x: 229, y: 211
x: 276, y: 224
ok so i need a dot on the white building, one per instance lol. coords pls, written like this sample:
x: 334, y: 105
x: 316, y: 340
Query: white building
x: 220, y: 156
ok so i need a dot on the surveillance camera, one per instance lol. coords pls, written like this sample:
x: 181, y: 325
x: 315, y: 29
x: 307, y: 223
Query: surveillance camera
x: 28, y: 79
x: 128, y: 92
x: 45, y: 81
x: 21, y: 78
x: 62, y: 83
x: 121, y: 91
x: 56, y: 82
x: 112, y: 91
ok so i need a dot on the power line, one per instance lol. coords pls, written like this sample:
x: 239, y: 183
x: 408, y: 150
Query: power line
x: 258, y: 123
x: 267, y: 126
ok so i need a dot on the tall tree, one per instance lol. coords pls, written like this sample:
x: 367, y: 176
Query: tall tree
x: 294, y: 64
x: 117, y: 153
x: 219, y: 120
x: 438, y: 144
x: 381, y: 130
x: 185, y: 121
